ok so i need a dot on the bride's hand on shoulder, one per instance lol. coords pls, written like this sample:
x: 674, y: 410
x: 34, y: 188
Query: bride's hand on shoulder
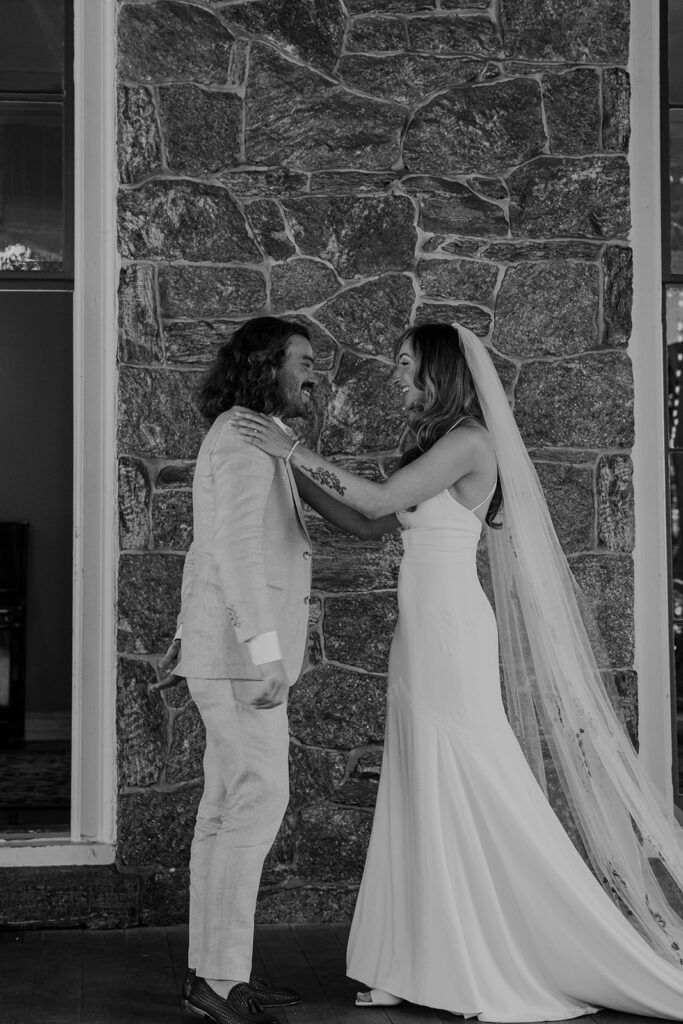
x: 262, y: 432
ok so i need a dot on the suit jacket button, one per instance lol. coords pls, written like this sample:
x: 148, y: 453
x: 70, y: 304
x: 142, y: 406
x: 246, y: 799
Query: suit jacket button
x: 307, y: 600
x: 307, y: 554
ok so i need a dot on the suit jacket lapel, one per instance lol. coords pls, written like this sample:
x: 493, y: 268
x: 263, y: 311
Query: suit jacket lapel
x: 297, y: 500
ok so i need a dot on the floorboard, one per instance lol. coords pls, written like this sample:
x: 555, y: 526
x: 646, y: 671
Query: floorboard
x: 286, y: 964
x: 19, y: 962
x: 105, y: 989
x: 135, y: 976
x: 151, y: 978
x: 325, y: 954
x: 58, y: 979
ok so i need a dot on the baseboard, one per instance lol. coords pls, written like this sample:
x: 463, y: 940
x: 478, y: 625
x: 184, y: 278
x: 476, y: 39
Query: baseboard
x: 48, y: 725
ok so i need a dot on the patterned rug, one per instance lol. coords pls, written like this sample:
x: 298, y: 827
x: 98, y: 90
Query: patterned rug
x: 35, y: 778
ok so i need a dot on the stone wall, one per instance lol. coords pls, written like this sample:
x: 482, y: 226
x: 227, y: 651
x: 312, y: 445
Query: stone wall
x: 364, y: 166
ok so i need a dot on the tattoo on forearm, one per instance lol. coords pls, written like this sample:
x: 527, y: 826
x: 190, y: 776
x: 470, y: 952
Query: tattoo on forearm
x: 326, y: 478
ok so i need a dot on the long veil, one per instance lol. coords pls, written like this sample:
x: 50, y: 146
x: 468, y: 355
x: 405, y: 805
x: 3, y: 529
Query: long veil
x: 557, y: 692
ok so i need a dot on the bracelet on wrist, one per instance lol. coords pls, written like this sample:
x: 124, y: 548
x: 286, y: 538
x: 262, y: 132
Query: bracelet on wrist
x: 291, y: 451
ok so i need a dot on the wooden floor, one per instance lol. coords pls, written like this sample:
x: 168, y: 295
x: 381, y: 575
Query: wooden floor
x: 134, y: 977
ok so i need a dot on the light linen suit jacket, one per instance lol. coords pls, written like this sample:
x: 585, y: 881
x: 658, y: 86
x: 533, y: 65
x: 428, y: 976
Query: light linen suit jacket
x: 249, y: 568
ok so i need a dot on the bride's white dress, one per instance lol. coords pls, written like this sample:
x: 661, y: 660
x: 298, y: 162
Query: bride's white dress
x: 473, y: 899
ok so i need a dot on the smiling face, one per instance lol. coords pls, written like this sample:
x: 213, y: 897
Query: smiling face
x: 295, y: 377
x: 404, y: 376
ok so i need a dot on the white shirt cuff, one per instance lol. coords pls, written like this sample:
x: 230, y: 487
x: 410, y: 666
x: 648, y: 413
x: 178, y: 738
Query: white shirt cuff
x: 264, y: 647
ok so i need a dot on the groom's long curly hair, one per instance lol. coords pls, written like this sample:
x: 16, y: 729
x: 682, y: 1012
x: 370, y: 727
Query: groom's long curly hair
x: 444, y: 376
x: 245, y: 370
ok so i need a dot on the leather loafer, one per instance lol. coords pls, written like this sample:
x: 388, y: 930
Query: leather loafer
x: 268, y: 995
x: 239, y: 1007
x: 190, y: 975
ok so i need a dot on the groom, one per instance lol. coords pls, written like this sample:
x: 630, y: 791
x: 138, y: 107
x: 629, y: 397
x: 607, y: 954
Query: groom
x: 244, y: 619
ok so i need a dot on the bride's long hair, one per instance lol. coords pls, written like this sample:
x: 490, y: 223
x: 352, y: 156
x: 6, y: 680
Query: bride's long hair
x: 444, y: 376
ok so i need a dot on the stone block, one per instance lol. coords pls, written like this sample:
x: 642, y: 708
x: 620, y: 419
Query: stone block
x: 626, y: 683
x: 264, y: 181
x: 207, y: 292
x: 477, y: 129
x: 337, y: 707
x: 178, y: 42
x: 473, y: 317
x: 306, y: 904
x: 141, y: 725
x: 585, y: 197
x: 133, y: 500
x: 569, y: 493
x: 298, y: 117
x: 202, y: 129
x: 616, y: 102
x: 616, y: 515
x: 358, y: 629
x: 360, y: 789
x: 578, y: 31
x: 474, y: 36
x: 517, y: 252
x: 366, y: 412
x: 165, y: 897
x: 371, y: 316
x: 617, y: 269
x: 342, y: 562
x: 139, y: 332
x: 367, y: 35
x: 333, y: 842
x: 450, y: 207
x: 314, y: 774
x: 352, y: 183
x: 148, y: 601
x: 301, y: 283
x: 607, y: 584
x: 278, y: 865
x: 389, y: 6
x: 488, y: 187
x: 580, y: 402
x: 176, y: 696
x: 268, y: 225
x: 138, y: 148
x: 196, y: 342
x: 175, y: 474
x: 186, y: 753
x: 155, y: 827
x: 360, y: 237
x: 183, y: 220
x: 157, y: 413
x: 312, y: 32
x: 548, y: 309
x: 67, y: 897
x: 172, y: 520
x: 406, y: 77
x: 572, y: 108
x: 464, y: 280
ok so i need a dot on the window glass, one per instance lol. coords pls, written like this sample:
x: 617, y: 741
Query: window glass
x: 675, y: 32
x: 31, y: 186
x: 676, y: 188
x: 32, y: 46
x: 674, y: 350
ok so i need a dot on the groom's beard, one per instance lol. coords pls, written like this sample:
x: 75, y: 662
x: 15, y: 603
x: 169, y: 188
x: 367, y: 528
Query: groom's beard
x: 296, y: 399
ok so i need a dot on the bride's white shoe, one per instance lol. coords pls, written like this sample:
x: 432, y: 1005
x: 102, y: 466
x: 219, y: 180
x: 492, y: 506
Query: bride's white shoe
x: 377, y: 997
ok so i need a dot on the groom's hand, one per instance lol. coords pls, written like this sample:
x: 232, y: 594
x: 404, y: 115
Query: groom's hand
x: 274, y: 688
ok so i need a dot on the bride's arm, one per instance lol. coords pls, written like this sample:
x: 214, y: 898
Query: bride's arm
x: 453, y: 456
x: 341, y: 516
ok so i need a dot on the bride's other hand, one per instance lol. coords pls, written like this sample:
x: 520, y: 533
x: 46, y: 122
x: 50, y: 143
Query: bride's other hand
x: 263, y: 432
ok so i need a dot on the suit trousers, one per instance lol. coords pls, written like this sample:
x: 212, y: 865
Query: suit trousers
x: 246, y: 791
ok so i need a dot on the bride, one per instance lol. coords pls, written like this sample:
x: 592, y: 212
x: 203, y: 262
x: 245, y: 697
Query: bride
x: 474, y: 899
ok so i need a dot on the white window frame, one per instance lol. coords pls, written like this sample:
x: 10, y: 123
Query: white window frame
x: 652, y: 641
x: 93, y: 791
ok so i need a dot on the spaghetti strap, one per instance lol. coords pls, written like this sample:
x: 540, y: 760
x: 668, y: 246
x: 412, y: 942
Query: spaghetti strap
x: 487, y: 498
